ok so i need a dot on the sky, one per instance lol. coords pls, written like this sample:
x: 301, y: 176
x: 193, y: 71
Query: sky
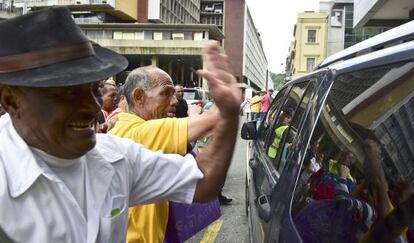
x: 275, y: 19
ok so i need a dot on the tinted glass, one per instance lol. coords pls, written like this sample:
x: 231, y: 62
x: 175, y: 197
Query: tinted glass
x: 272, y: 114
x: 357, y: 175
x: 278, y: 134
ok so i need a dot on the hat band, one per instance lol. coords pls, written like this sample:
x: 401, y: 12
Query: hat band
x: 45, y: 57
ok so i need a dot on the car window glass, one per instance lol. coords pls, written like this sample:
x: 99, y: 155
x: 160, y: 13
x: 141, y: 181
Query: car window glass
x: 358, y: 171
x: 275, y: 134
x: 272, y: 114
x: 289, y: 134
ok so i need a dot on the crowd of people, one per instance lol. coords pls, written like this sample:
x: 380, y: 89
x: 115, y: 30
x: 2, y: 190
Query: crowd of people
x: 333, y: 205
x: 86, y: 160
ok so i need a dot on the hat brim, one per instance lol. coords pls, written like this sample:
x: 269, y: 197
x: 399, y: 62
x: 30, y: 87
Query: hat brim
x: 103, y: 64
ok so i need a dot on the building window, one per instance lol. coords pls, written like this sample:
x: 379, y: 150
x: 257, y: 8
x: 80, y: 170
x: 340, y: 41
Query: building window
x: 198, y: 36
x: 139, y: 35
x: 178, y: 36
x: 310, y: 64
x: 157, y: 36
x: 128, y: 35
x: 311, y: 36
x: 117, y: 35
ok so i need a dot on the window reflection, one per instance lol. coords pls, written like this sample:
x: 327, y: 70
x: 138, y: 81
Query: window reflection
x: 359, y: 169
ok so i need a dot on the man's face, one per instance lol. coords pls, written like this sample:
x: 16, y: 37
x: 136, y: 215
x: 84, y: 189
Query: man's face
x: 179, y: 92
x: 109, y: 98
x: 59, y: 120
x: 286, y: 120
x: 160, y: 101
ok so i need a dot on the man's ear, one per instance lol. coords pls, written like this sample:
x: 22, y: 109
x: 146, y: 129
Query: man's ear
x: 138, y: 96
x: 8, y: 100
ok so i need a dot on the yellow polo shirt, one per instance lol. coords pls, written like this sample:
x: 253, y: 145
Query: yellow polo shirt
x: 255, y: 104
x: 148, y: 223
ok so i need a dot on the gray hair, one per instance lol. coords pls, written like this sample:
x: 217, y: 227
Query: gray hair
x: 137, y: 78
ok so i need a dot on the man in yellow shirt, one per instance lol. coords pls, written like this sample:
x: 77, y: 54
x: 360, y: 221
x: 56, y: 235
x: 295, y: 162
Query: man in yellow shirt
x: 254, y: 103
x: 150, y: 95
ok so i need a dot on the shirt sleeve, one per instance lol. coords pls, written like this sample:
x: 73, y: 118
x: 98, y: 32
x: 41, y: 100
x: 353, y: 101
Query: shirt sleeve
x: 159, y: 177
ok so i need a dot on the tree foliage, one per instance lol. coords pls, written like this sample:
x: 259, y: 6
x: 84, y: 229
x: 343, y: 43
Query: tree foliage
x: 278, y: 80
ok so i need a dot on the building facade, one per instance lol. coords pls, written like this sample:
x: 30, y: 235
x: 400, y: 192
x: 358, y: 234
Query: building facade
x: 171, y: 11
x: 389, y: 13
x: 242, y: 41
x: 9, y: 10
x: 309, y: 47
x: 341, y: 32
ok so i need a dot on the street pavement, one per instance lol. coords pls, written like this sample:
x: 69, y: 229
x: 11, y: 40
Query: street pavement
x: 232, y: 226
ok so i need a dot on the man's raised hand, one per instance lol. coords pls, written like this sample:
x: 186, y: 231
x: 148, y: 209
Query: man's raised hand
x: 222, y: 84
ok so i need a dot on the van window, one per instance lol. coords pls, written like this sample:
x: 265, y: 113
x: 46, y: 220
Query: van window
x: 272, y: 114
x: 359, y: 165
x: 280, y: 136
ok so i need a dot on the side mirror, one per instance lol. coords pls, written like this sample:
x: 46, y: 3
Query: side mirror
x: 249, y: 131
x: 263, y: 206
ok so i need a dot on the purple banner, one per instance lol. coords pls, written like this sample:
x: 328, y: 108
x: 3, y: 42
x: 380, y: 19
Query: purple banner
x: 186, y: 220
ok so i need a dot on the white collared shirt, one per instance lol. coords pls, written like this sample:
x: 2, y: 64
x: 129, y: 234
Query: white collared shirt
x: 36, y: 206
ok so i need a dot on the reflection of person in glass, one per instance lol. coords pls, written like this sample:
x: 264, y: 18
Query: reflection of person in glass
x: 284, y: 121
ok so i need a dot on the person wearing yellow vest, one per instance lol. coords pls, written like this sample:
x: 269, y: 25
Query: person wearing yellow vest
x: 150, y: 95
x: 285, y: 119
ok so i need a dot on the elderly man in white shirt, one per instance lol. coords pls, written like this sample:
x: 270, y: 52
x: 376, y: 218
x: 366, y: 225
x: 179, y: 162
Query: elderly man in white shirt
x: 59, y: 182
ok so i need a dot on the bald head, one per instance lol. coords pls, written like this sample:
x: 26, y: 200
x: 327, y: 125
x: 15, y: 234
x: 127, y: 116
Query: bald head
x: 148, y: 92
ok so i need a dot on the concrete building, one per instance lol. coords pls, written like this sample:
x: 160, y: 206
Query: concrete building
x: 390, y: 13
x: 99, y: 11
x: 175, y: 48
x: 242, y: 41
x: 212, y: 12
x: 9, y: 10
x: 309, y: 47
x: 341, y: 32
x: 170, y: 11
x: 171, y: 25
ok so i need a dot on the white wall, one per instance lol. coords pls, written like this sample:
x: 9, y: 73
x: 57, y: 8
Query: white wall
x: 363, y: 10
x: 154, y: 9
x: 255, y: 63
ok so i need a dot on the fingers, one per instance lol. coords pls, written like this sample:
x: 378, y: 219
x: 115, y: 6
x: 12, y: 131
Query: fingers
x: 215, y: 61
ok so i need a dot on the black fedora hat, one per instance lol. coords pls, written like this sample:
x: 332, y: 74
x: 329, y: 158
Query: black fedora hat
x: 45, y: 48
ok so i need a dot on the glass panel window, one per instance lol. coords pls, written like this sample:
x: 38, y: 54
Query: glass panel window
x: 311, y: 36
x: 178, y: 36
x: 128, y: 35
x: 310, y: 64
x: 198, y: 36
x: 265, y: 129
x: 139, y: 35
x: 157, y: 35
x: 117, y: 35
x: 281, y: 136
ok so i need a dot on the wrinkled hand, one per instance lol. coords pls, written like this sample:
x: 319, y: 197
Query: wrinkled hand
x: 222, y: 84
x: 194, y: 110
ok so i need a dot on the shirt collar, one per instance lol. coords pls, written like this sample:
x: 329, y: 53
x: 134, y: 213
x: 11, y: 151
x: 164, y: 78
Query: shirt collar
x: 20, y: 164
